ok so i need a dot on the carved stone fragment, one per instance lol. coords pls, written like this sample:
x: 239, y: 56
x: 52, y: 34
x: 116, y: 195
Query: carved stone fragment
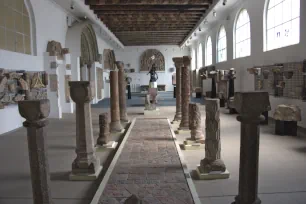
x: 104, y: 134
x: 109, y: 59
x: 150, y: 57
x: 55, y: 49
x: 53, y: 82
x: 67, y: 88
x: 195, y: 125
x: 287, y: 113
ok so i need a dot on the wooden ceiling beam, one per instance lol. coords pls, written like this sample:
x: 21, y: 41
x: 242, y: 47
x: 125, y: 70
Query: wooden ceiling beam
x: 143, y: 8
x: 163, y: 12
x: 150, y: 2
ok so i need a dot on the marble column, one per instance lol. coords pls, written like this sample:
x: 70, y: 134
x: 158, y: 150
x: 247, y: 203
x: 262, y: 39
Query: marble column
x: 36, y: 112
x: 249, y: 105
x: 178, y: 61
x: 115, y: 125
x: 212, y: 166
x: 86, y: 166
x: 184, y: 125
x: 122, y: 90
x: 195, y: 125
x: 104, y: 134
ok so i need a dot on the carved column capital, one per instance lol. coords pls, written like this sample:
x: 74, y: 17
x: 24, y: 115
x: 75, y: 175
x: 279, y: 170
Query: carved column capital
x: 35, y: 112
x: 80, y: 91
x: 178, y: 62
x: 120, y: 64
x: 250, y: 105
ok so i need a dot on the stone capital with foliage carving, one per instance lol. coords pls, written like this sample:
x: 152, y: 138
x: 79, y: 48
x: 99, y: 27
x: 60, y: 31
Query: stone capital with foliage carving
x: 80, y: 91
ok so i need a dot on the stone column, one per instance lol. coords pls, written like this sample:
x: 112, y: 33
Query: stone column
x: 249, y: 105
x: 213, y: 75
x: 86, y: 166
x: 115, y: 125
x: 195, y: 125
x: 35, y: 112
x: 212, y: 166
x: 104, y: 129
x: 122, y: 94
x: 178, y: 61
x: 184, y: 125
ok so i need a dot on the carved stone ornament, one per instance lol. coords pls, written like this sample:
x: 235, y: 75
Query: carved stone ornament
x: 109, y: 59
x: 100, y: 82
x: 89, y: 46
x: 17, y: 86
x: 55, y: 49
x: 67, y: 88
x: 53, y: 82
x: 287, y: 113
x: 151, y: 56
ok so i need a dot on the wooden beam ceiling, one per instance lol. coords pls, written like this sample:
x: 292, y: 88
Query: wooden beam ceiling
x: 150, y: 22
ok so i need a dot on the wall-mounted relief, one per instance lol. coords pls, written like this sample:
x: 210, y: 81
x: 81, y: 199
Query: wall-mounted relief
x: 54, y: 65
x: 68, y: 66
x: 53, y: 82
x: 21, y: 85
x: 67, y: 88
x: 109, y: 59
x: 150, y: 57
x: 55, y: 49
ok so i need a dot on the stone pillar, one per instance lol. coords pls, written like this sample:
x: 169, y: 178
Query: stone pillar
x: 249, y: 105
x: 86, y: 166
x: 184, y: 125
x: 35, y: 112
x: 195, y: 125
x: 178, y: 61
x: 122, y: 94
x: 104, y: 129
x: 213, y: 75
x: 212, y: 166
x: 115, y: 125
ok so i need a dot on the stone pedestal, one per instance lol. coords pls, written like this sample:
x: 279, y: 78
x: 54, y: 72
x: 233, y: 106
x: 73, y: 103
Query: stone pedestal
x: 249, y: 105
x: 184, y: 125
x: 35, y: 112
x: 212, y: 166
x: 86, y: 166
x: 103, y: 139
x: 178, y: 61
x: 231, y: 91
x: 197, y: 137
x: 115, y: 125
x: 122, y: 94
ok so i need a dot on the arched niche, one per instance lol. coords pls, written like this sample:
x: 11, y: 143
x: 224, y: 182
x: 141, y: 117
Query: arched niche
x: 89, y: 46
x: 151, y: 56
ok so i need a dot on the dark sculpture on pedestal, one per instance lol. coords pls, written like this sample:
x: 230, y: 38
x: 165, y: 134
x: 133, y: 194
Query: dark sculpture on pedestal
x: 153, y: 74
x: 231, y: 90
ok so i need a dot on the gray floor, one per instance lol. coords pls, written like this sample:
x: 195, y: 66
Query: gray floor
x: 282, y: 170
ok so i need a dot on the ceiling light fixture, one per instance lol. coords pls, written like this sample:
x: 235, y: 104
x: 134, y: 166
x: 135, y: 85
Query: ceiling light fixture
x: 214, y: 13
x: 200, y: 29
x: 205, y: 21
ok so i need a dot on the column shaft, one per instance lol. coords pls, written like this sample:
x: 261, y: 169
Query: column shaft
x: 178, y: 113
x: 115, y: 125
x: 185, y: 98
x: 122, y: 95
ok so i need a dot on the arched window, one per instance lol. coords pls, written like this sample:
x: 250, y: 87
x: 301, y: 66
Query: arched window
x: 282, y: 23
x: 193, y: 59
x: 200, y: 56
x: 222, y: 55
x: 15, y: 27
x: 208, y: 52
x: 242, y: 35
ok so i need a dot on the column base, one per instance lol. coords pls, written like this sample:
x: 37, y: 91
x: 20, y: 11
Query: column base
x: 175, y: 121
x: 115, y: 127
x: 109, y: 145
x: 155, y: 112
x: 257, y: 201
x: 85, y: 177
x: 212, y: 175
x: 182, y: 130
x: 190, y: 144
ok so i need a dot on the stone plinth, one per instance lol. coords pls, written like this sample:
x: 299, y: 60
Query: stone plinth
x: 197, y: 137
x: 212, y: 166
x: 250, y: 106
x: 103, y: 139
x: 184, y: 125
x: 115, y: 125
x: 178, y: 61
x: 86, y: 166
x: 35, y: 112
x: 122, y: 94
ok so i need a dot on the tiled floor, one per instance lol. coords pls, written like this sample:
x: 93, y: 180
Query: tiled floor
x: 149, y: 167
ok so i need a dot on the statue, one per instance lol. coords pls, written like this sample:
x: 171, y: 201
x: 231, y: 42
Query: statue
x: 153, y: 74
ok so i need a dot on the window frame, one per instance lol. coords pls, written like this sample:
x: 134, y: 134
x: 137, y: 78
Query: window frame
x: 200, y: 56
x: 218, y: 41
x: 206, y: 53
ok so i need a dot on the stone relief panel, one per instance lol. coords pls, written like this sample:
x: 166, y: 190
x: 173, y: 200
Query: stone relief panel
x: 99, y: 82
x: 109, y: 59
x: 53, y: 82
x: 89, y: 46
x: 55, y: 49
x: 21, y: 85
x: 67, y: 88
x: 151, y: 56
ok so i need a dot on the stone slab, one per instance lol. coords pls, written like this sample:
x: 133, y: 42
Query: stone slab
x: 212, y: 175
x: 85, y: 177
x: 109, y: 145
x: 151, y: 112
x: 192, y: 145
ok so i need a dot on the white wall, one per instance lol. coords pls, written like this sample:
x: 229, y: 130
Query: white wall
x: 132, y: 54
x: 245, y: 81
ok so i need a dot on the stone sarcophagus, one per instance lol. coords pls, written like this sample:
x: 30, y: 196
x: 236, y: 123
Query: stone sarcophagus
x: 21, y: 85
